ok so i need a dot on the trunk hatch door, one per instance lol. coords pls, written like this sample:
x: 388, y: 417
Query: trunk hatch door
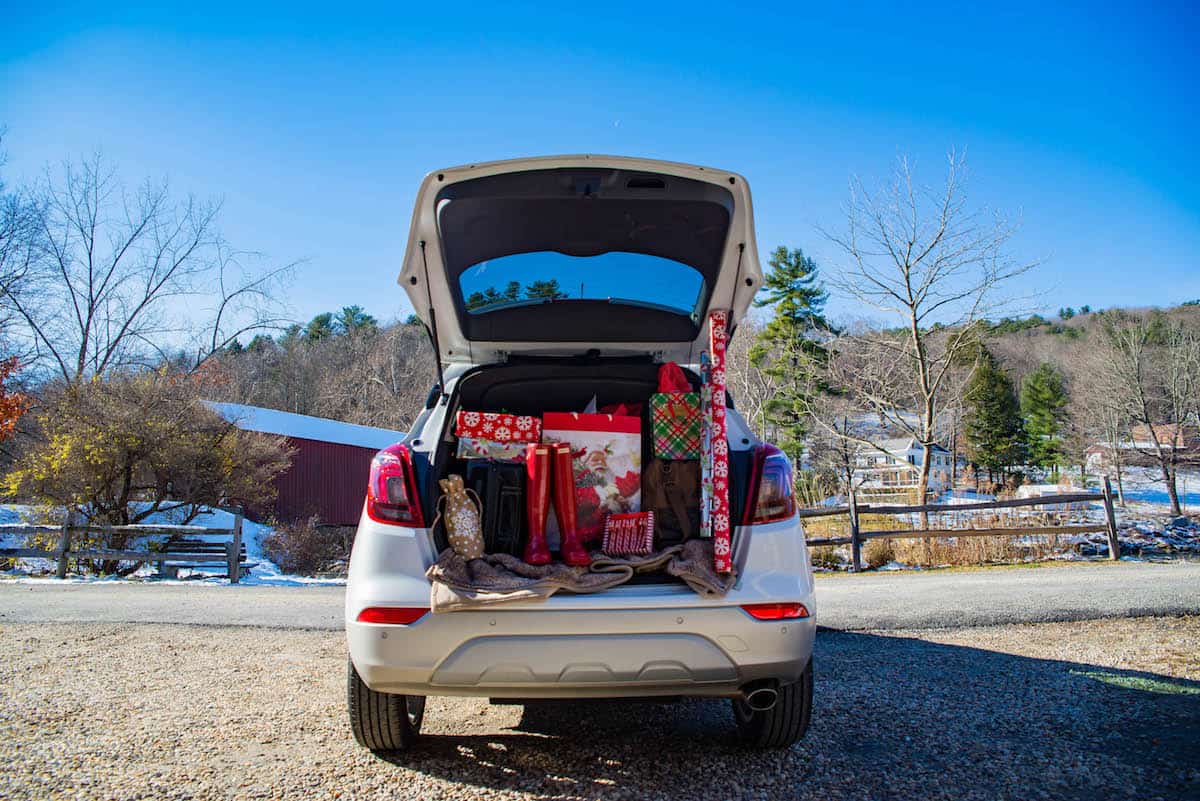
x: 570, y: 254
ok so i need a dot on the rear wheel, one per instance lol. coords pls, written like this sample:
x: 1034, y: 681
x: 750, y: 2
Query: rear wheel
x: 782, y: 724
x: 382, y: 722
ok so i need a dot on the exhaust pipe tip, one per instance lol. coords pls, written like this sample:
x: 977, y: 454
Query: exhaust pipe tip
x: 761, y: 696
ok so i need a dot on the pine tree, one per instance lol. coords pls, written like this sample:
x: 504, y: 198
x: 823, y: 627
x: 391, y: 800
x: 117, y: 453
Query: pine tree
x: 353, y: 318
x: 319, y: 327
x: 1044, y: 405
x: 544, y: 290
x: 992, y: 426
x: 786, y: 350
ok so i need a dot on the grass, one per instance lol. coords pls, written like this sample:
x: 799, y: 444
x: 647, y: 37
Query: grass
x: 995, y: 566
x: 1144, y: 683
x: 938, y: 552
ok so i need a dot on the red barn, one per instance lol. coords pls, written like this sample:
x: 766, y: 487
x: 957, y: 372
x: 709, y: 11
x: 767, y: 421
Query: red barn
x: 328, y: 475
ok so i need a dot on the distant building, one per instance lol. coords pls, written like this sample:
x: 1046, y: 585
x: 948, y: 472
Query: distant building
x: 1139, y: 449
x: 328, y: 474
x: 894, y: 467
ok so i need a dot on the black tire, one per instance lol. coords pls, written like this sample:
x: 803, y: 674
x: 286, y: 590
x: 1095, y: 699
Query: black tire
x: 383, y: 722
x: 782, y: 724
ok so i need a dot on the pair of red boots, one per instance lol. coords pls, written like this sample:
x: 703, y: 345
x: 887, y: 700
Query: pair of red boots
x: 546, y: 465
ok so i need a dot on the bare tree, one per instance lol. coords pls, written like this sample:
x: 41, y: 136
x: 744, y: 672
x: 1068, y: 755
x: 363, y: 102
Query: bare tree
x: 835, y: 447
x: 384, y: 379
x: 1097, y: 403
x: 749, y: 385
x: 120, y: 279
x: 929, y: 263
x: 373, y: 375
x: 1155, y: 375
x: 20, y: 244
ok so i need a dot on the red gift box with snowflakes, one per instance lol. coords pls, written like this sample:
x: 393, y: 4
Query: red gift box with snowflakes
x: 499, y: 427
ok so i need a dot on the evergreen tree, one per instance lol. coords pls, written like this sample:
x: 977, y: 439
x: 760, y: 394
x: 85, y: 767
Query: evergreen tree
x: 1044, y: 405
x: 485, y: 298
x: 353, y: 318
x: 319, y: 327
x: 786, y: 350
x: 992, y: 425
x: 290, y: 334
x: 547, y: 290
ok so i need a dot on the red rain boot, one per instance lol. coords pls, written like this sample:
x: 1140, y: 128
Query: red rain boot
x: 537, y: 503
x: 572, y: 550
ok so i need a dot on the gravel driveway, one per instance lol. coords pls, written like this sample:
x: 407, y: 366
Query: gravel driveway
x: 1100, y: 709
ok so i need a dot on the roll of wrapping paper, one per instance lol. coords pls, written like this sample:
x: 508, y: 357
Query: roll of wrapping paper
x: 719, y: 444
x: 705, y: 447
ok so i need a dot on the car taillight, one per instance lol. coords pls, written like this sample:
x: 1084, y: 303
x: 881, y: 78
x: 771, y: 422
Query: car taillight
x: 771, y: 495
x: 394, y: 615
x: 775, y: 611
x: 392, y: 489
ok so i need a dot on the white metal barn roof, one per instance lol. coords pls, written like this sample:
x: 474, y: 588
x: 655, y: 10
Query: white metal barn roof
x: 302, y: 426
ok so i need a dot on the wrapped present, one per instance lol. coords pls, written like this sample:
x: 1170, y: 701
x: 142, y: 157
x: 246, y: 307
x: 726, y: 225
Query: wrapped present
x: 718, y: 478
x: 629, y: 534
x: 478, y: 448
x: 706, y: 455
x: 606, y: 456
x: 494, y: 435
x: 460, y: 512
x: 675, y: 416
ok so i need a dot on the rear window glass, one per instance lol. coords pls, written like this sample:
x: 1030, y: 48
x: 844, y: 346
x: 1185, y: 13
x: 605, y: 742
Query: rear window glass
x: 618, y: 277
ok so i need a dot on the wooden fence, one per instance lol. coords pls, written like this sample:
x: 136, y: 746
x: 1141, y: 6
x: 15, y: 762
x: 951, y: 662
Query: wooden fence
x: 856, y: 536
x: 68, y: 531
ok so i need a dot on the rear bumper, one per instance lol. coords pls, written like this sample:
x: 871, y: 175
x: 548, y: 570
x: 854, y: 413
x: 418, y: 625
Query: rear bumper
x: 544, y: 653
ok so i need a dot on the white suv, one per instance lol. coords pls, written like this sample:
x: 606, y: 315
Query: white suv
x: 545, y: 283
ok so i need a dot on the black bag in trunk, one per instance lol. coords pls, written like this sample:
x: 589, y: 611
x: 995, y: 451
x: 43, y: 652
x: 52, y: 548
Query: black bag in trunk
x: 501, y: 489
x: 671, y: 489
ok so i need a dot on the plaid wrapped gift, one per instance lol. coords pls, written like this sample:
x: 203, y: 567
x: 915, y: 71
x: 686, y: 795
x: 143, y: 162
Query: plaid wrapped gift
x: 675, y: 418
x: 629, y: 534
x: 675, y: 423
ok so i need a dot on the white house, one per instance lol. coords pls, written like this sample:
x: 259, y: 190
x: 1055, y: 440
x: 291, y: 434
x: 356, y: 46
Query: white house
x: 895, y: 467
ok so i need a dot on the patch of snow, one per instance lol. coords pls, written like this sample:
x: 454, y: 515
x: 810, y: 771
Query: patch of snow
x: 263, y: 573
x: 961, y: 496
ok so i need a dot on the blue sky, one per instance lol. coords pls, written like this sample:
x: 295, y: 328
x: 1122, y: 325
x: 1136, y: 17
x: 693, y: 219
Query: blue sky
x: 315, y: 127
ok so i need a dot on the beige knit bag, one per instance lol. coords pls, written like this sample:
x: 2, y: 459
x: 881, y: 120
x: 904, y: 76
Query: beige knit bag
x: 461, y: 514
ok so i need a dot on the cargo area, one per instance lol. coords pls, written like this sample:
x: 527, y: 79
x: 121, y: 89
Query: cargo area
x: 535, y: 386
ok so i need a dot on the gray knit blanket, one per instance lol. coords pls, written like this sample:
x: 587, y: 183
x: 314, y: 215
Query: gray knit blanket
x: 458, y: 584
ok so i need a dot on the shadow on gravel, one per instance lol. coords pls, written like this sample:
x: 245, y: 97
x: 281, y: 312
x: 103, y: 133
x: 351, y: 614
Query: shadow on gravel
x: 894, y: 718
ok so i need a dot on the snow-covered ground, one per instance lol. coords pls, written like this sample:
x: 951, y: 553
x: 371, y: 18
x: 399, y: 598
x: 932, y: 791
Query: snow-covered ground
x: 1145, y: 491
x: 263, y: 573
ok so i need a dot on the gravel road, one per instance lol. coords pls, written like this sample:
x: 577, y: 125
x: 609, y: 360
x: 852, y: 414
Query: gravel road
x: 871, y: 601
x: 1084, y: 710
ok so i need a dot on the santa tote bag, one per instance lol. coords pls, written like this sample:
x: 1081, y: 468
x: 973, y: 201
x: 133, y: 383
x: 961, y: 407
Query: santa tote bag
x: 606, y: 457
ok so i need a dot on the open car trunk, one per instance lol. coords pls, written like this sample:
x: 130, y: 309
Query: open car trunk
x: 563, y: 255
x: 532, y: 386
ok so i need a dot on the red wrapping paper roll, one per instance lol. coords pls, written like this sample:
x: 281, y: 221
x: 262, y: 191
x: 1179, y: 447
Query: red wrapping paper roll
x: 721, y: 530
